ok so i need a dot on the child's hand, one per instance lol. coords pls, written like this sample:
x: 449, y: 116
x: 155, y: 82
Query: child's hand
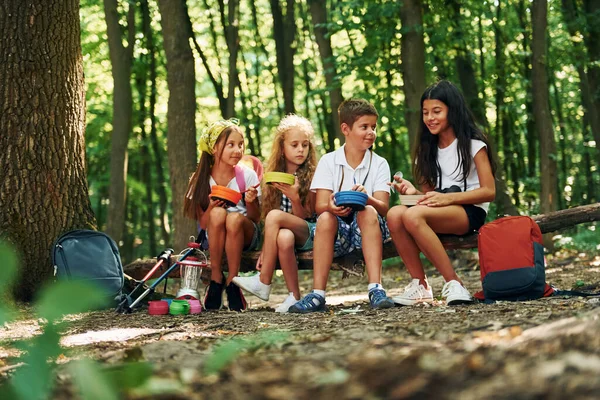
x: 436, y: 199
x: 403, y: 186
x: 251, y: 195
x: 292, y: 192
x: 216, y: 203
x: 359, y: 188
x: 339, y: 211
x: 259, y: 262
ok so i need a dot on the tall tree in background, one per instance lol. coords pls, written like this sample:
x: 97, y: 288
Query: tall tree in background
x: 121, y: 58
x: 592, y: 41
x: 284, y: 32
x: 541, y: 108
x: 181, y: 127
x: 232, y: 37
x: 318, y: 11
x: 413, y: 64
x: 42, y: 118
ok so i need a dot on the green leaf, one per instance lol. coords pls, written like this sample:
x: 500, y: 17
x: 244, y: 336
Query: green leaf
x: 9, y: 266
x: 35, y: 379
x: 129, y: 375
x: 69, y: 297
x: 91, y: 381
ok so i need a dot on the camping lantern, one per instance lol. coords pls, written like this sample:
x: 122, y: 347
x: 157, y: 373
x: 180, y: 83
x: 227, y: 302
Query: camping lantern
x: 191, y: 273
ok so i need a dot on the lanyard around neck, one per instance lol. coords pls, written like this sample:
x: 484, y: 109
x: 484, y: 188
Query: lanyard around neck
x: 364, y: 180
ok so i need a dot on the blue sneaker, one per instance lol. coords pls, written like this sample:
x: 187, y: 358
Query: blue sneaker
x: 379, y: 299
x: 312, y: 302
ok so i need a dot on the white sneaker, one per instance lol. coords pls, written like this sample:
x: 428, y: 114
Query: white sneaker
x: 414, y: 293
x: 253, y: 285
x: 287, y: 303
x: 455, y: 293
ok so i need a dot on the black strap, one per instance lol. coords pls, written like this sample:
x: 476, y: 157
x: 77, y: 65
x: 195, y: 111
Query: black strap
x: 364, y: 180
x: 558, y: 292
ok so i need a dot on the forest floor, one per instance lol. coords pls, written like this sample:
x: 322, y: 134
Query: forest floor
x: 547, y: 348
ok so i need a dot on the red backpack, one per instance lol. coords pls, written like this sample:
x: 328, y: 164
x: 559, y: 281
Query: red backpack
x: 511, y: 258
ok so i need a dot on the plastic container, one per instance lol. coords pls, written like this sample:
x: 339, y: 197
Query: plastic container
x: 279, y: 177
x: 229, y: 196
x: 195, y: 306
x: 351, y: 198
x: 179, y: 307
x: 168, y: 301
x: 158, y: 307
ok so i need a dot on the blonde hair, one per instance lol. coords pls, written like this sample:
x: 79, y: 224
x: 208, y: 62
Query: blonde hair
x: 276, y: 162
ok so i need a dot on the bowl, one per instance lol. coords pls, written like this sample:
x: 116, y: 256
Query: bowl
x: 351, y: 198
x: 279, y: 177
x: 179, y: 307
x: 158, y: 307
x: 229, y: 196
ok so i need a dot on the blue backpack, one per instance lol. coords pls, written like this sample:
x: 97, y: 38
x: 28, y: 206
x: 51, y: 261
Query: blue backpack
x: 89, y: 256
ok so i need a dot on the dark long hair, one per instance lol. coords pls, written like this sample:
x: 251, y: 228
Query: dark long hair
x: 196, y: 196
x: 426, y: 169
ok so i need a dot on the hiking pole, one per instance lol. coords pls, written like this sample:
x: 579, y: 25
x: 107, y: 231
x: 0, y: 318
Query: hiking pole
x: 163, y: 276
x: 163, y: 259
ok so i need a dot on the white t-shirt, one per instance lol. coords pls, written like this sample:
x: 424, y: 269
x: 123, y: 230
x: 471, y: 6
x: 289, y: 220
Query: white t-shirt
x: 250, y: 178
x: 448, y: 159
x: 332, y: 166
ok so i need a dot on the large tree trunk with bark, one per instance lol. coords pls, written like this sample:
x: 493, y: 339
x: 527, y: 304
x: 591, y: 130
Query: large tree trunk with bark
x: 42, y: 121
x: 541, y: 109
x: 284, y: 32
x: 592, y: 41
x: 121, y: 57
x: 181, y: 135
x: 413, y: 65
x: 318, y: 11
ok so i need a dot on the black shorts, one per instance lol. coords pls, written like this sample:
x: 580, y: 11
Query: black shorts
x: 476, y: 216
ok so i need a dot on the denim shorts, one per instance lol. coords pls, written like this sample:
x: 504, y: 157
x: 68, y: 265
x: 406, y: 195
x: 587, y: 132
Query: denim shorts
x: 308, y: 245
x: 349, y: 237
x: 256, y: 242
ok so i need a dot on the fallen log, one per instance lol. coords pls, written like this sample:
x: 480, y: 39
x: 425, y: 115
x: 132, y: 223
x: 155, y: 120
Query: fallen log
x: 353, y: 263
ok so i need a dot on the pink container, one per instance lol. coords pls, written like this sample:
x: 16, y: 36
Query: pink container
x: 158, y: 307
x: 195, y: 306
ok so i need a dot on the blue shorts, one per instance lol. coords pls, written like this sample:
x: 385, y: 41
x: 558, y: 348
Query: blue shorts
x: 349, y: 237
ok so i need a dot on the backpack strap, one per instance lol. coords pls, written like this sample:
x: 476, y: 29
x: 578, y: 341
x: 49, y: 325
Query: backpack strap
x: 239, y: 178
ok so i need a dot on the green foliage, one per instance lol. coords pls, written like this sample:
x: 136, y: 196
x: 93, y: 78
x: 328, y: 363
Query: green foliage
x: 583, y: 238
x: 35, y: 378
x: 224, y: 353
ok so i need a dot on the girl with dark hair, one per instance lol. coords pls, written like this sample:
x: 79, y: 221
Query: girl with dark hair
x: 230, y: 229
x: 455, y: 172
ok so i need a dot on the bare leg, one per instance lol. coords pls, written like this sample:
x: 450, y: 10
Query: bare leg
x: 287, y: 259
x: 422, y: 223
x: 372, y: 243
x: 216, y: 241
x: 240, y: 230
x: 406, y: 246
x: 276, y: 220
x: 327, y: 227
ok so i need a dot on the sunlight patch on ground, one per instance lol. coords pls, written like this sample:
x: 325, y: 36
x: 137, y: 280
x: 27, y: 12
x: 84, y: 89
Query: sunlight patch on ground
x: 112, y: 335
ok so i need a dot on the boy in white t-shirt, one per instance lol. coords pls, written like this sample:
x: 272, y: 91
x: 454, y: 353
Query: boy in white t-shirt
x: 340, y: 230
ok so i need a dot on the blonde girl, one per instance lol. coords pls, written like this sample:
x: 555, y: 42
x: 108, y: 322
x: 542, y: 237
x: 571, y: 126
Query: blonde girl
x: 230, y: 230
x: 288, y: 210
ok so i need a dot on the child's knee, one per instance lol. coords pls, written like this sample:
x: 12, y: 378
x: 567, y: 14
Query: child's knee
x: 274, y: 217
x: 217, y: 217
x: 412, y: 219
x: 368, y: 216
x: 394, y: 217
x: 234, y: 222
x: 285, y: 239
x: 327, y: 221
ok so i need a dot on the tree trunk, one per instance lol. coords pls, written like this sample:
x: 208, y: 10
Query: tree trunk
x: 541, y: 109
x: 318, y: 11
x: 232, y: 39
x: 181, y: 134
x: 592, y: 41
x: 121, y: 61
x: 44, y: 190
x: 413, y: 65
x: 284, y: 32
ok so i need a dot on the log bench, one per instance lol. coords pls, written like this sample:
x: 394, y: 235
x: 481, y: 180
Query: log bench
x: 353, y: 263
